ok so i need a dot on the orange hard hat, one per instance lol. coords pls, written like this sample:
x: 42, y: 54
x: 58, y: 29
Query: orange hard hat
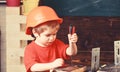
x: 40, y: 15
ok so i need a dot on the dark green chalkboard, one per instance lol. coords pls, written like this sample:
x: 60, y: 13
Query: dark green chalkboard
x: 84, y: 7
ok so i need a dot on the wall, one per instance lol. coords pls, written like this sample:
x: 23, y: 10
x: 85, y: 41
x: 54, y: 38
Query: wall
x: 84, y: 7
x: 93, y: 32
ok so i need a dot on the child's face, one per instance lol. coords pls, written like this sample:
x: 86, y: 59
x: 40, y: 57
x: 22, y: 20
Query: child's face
x: 47, y: 37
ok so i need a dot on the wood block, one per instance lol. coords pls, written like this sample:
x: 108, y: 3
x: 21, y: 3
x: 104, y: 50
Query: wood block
x: 12, y: 10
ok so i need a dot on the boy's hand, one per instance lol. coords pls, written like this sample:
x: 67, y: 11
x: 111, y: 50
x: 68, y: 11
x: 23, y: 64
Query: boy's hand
x: 72, y: 38
x: 57, y: 63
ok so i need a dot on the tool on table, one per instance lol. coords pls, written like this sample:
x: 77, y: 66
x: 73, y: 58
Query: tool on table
x: 71, y: 31
x: 117, y: 52
x: 95, y: 59
x: 116, y: 66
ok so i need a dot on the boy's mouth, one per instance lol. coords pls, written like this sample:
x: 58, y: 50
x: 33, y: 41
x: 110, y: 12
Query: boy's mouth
x: 50, y: 42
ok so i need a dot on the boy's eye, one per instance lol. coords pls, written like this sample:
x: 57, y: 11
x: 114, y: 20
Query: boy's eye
x: 54, y: 34
x: 48, y: 35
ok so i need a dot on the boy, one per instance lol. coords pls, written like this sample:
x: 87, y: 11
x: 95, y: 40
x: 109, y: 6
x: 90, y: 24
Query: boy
x: 46, y: 52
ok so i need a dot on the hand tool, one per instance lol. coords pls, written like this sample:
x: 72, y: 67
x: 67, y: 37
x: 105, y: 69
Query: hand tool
x: 71, y: 31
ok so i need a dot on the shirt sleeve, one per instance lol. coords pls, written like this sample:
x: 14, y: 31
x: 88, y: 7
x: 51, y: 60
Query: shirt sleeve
x: 62, y: 49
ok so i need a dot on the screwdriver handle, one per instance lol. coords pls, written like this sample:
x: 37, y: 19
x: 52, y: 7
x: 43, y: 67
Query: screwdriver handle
x: 71, y: 29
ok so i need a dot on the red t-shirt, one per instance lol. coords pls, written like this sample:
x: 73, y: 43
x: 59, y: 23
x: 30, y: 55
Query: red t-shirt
x: 37, y: 54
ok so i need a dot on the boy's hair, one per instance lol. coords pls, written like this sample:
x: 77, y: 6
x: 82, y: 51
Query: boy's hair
x: 42, y: 27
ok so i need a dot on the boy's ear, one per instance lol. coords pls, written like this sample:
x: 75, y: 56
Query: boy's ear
x: 35, y: 33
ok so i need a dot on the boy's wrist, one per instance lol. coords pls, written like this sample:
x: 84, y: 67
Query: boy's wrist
x: 52, y: 65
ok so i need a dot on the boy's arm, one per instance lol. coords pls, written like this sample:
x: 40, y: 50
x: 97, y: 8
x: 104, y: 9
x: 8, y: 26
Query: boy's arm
x: 47, y: 66
x: 72, y: 49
